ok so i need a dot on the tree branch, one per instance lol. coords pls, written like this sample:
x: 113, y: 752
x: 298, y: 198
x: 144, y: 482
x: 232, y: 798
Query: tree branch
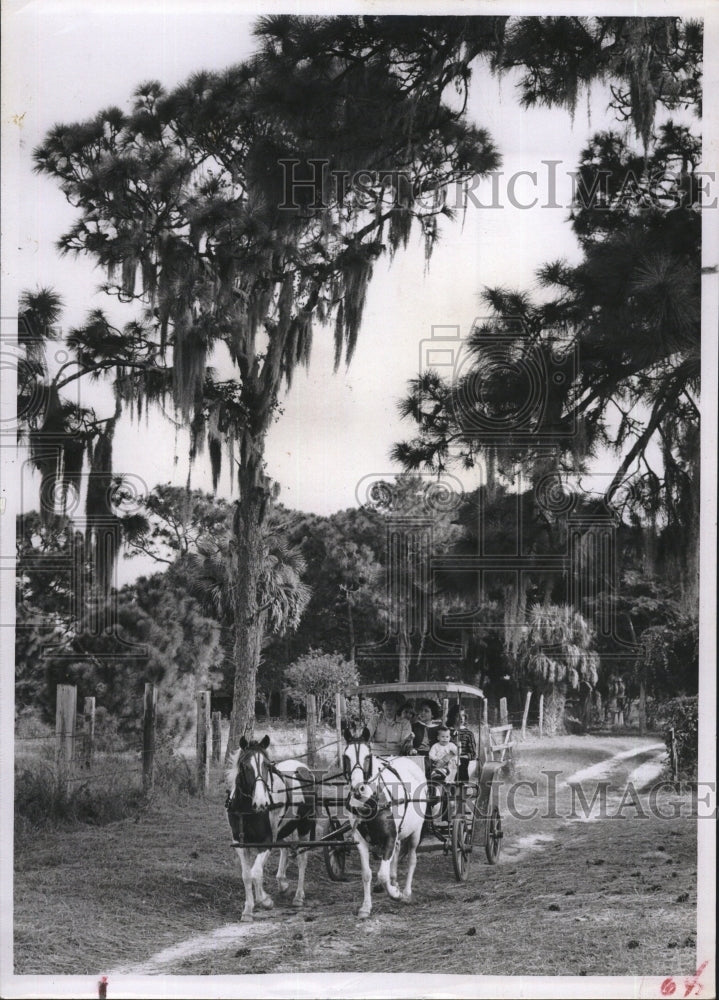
x: 660, y: 409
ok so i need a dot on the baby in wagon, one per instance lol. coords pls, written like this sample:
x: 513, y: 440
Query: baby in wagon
x: 443, y: 755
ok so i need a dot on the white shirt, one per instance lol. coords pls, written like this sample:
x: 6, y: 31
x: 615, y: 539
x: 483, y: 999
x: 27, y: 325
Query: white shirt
x: 442, y: 753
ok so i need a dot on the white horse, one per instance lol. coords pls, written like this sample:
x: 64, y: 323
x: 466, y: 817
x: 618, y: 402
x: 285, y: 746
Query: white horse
x: 267, y: 802
x: 388, y: 804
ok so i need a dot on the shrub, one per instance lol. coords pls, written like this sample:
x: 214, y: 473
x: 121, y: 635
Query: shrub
x: 320, y: 674
x: 111, y: 791
x: 111, y: 736
x: 43, y: 801
x: 29, y: 724
x: 173, y: 775
x: 683, y: 715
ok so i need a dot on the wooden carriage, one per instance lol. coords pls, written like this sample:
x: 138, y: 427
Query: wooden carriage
x: 470, y: 812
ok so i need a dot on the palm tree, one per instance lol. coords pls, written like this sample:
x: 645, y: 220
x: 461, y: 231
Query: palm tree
x: 555, y: 652
x: 64, y: 438
x: 282, y: 595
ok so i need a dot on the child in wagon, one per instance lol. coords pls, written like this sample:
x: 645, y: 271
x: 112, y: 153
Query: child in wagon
x: 443, y: 755
x: 461, y: 733
x: 443, y: 765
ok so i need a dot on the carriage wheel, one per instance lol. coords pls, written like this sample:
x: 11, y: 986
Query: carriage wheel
x: 493, y: 843
x: 461, y: 847
x: 335, y: 854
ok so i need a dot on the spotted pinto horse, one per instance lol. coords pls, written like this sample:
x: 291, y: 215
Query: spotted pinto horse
x: 387, y: 801
x: 266, y: 803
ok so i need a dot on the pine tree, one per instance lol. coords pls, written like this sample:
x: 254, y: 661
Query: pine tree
x: 185, y: 202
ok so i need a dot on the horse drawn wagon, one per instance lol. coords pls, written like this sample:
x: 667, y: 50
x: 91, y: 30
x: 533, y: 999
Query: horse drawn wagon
x: 381, y: 804
x: 463, y: 813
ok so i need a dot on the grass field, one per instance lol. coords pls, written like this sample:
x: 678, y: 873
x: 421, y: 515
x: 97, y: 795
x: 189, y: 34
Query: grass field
x: 569, y: 896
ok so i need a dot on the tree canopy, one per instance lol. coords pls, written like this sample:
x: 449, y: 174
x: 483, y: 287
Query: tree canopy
x: 245, y: 210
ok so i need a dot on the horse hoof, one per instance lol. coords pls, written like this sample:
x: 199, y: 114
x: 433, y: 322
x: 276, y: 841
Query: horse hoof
x: 246, y: 918
x: 405, y: 899
x: 363, y: 914
x: 266, y: 904
x: 298, y: 903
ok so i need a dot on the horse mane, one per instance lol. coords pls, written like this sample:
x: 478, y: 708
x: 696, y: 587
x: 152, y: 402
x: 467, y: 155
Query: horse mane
x: 231, y: 769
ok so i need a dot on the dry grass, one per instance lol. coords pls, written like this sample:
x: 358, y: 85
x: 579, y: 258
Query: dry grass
x: 89, y: 899
x: 600, y: 898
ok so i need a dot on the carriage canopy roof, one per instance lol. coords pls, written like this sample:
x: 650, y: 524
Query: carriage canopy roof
x: 426, y: 688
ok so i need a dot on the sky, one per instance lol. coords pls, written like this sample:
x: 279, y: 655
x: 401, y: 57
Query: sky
x: 69, y: 59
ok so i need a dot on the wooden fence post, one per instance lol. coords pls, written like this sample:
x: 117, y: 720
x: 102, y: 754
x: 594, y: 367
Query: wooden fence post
x: 503, y: 717
x: 541, y: 716
x: 204, y: 732
x: 88, y: 725
x: 149, y: 719
x: 65, y: 717
x: 216, y: 737
x: 525, y: 716
x: 673, y: 755
x: 484, y: 732
x: 311, y: 730
x: 339, y: 703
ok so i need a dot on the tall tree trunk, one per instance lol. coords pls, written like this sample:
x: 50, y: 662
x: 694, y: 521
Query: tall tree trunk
x: 249, y: 620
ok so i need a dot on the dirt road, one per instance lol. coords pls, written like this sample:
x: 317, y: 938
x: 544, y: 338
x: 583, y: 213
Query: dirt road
x: 597, y: 876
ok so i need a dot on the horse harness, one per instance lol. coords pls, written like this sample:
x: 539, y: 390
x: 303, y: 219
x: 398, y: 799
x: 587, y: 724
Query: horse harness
x: 384, y: 800
x: 259, y: 778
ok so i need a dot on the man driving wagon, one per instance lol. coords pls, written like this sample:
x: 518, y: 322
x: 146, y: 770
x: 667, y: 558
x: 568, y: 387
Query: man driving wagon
x: 391, y: 735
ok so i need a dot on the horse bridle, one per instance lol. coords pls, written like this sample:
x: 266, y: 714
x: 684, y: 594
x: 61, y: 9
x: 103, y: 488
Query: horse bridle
x: 378, y: 780
x: 262, y: 764
x: 366, y: 766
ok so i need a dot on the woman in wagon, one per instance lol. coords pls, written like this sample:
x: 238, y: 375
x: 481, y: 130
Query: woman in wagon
x: 425, y: 727
x: 462, y: 734
x: 391, y: 736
